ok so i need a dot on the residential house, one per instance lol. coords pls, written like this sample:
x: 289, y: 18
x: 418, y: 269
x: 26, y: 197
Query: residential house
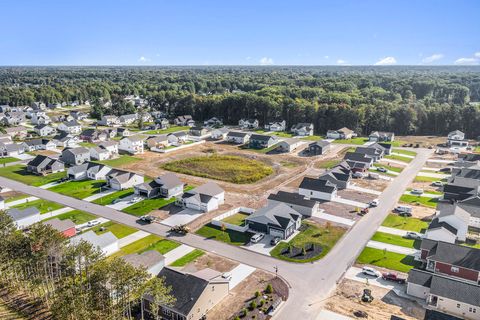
x: 238, y: 137
x: 65, y: 227
x: 151, y: 260
x: 40, y: 118
x: 319, y: 147
x: 213, y: 123
x: 276, y: 220
x: 66, y: 140
x: 453, y: 192
x: 44, y: 130
x: 207, y: 197
x: 72, y: 127
x: 302, y: 129
x: 75, y: 156
x: 44, y: 165
x: 457, y: 139
x: 276, y: 126
x: 93, y: 135
x: 24, y: 218
x: 290, y: 144
x: 198, y: 131
x: 248, y: 124
x: 78, y: 115
x: 88, y: 170
x: 14, y: 118
x: 100, y: 154
x: 11, y: 149
x: 379, y: 136
x: 158, y: 142
x: 109, y: 121
x: 128, y: 119
x: 177, y: 138
x: 343, y: 133
x: 340, y: 175
x: 39, y: 105
x: 107, y: 243
x: 358, y: 161
x: 261, y: 141
x: 312, y: 188
x: 162, y: 123
x: 18, y: 132
x: 132, y: 145
x: 306, y: 207
x: 123, y: 132
x: 120, y: 179
x: 166, y: 186
x: 185, y: 120
x: 376, y: 152
x: 38, y: 144
x: 441, y: 231
x: 461, y: 215
x: 220, y: 133
x: 111, y: 147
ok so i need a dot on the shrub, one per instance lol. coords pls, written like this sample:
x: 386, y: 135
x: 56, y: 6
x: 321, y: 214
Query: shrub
x: 236, y: 318
x: 269, y: 289
x: 261, y: 303
x: 257, y: 294
x: 244, y: 312
x: 304, y: 252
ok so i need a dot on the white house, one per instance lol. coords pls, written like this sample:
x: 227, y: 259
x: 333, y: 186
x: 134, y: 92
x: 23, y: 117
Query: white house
x: 109, y: 120
x: 312, y: 188
x: 23, y: 218
x: 98, y: 153
x: 206, y: 197
x: 276, y: 126
x: 441, y: 231
x: 248, y: 123
x: 343, y: 133
x: 303, y: 129
x: 72, y: 127
x: 44, y: 130
x: 120, y: 180
x: 107, y: 243
x: 111, y: 147
x: 238, y: 137
x: 132, y: 145
x: 220, y: 133
x: 151, y: 260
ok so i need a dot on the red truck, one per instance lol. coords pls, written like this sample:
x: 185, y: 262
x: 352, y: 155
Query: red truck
x: 390, y: 276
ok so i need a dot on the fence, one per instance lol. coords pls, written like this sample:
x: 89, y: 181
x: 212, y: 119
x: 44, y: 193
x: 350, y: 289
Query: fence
x: 217, y: 221
x: 183, y: 146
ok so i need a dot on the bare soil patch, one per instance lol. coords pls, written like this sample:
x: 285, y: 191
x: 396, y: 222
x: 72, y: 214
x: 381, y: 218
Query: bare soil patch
x: 378, y: 185
x: 356, y: 195
x: 340, y: 210
x: 422, y: 141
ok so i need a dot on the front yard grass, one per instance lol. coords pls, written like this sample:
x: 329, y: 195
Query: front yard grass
x: 119, y: 230
x: 111, y: 197
x: 79, y: 189
x: 398, y: 158
x: 282, y: 134
x: 236, y: 238
x: 327, y: 164
x: 427, y: 179
x: 150, y: 242
x: 186, y: 259
x: 168, y: 130
x: 373, y: 169
x: 405, y: 152
x: 43, y: 206
x: 390, y: 168
x: 145, y: 206
x: 237, y: 219
x: 313, y: 138
x: 77, y: 216
x: 419, y: 200
x: 404, y: 223
x: 388, y: 260
x: 234, y: 169
x: 395, y: 240
x: 19, y: 173
x: 324, y: 236
x: 358, y: 140
x: 120, y: 161
x: 8, y: 160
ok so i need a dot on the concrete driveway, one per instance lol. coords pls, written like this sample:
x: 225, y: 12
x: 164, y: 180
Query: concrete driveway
x: 183, y: 217
x: 239, y: 273
x: 356, y: 274
x: 263, y: 246
x: 391, y: 248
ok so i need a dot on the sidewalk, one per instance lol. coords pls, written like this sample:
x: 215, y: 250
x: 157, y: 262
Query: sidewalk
x: 365, y: 190
x: 20, y: 201
x: 132, y: 238
x: 177, y: 253
x: 331, y: 217
x: 350, y: 202
x: 397, y: 232
x: 391, y: 248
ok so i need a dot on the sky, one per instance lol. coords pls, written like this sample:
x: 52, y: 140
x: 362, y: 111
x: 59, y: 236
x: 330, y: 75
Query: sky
x: 240, y: 32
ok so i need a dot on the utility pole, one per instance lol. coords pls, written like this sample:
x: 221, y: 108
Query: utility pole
x: 276, y: 271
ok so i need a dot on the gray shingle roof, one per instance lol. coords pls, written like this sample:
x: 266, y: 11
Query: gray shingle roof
x: 18, y: 214
x: 456, y: 290
x: 317, y: 185
x: 278, y: 214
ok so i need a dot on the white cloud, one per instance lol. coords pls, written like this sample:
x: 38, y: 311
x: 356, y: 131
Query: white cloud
x: 265, y: 61
x: 432, y: 58
x: 466, y: 61
x: 387, y: 61
x: 326, y: 57
x: 477, y: 54
x: 248, y: 58
x: 143, y: 59
x: 340, y: 61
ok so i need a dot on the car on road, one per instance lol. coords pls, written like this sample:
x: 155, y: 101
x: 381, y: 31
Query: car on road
x: 146, y: 219
x: 416, y: 191
x: 391, y: 276
x: 413, y: 235
x: 274, y: 241
x: 369, y: 271
x: 374, y: 203
x: 381, y: 169
x: 93, y: 223
x: 257, y: 237
x: 437, y: 184
x: 447, y: 170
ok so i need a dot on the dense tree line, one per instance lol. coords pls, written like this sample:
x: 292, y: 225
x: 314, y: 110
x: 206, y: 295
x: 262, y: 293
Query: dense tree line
x: 407, y: 100
x: 74, y: 282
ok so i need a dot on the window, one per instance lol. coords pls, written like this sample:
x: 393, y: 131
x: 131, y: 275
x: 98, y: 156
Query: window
x: 458, y: 305
x: 454, y: 269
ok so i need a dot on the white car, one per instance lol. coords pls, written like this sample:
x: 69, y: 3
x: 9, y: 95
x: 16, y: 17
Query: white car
x: 373, y: 203
x: 416, y: 191
x: 93, y: 223
x: 437, y: 184
x: 413, y: 235
x: 257, y: 237
x: 369, y: 271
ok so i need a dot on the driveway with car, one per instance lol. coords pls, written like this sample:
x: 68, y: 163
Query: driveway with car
x: 183, y: 217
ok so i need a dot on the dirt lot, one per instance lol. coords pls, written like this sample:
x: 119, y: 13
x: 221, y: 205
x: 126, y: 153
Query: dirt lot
x: 212, y: 261
x: 422, y: 212
x: 427, y: 186
x: 378, y: 185
x: 340, y: 210
x: 346, y: 300
x: 356, y: 195
x: 423, y: 141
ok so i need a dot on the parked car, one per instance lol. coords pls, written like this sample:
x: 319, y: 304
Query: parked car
x: 274, y: 241
x: 404, y: 211
x: 416, y: 191
x: 413, y: 235
x: 369, y: 271
x: 447, y: 169
x: 257, y: 237
x: 373, y: 176
x: 136, y: 199
x: 374, y: 203
x: 381, y: 169
x: 437, y: 184
x: 146, y: 219
x: 93, y: 223
x: 390, y: 276
x: 358, y: 174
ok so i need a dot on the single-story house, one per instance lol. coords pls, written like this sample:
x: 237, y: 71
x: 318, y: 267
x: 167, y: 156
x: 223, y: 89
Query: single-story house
x: 123, y: 132
x: 353, y: 157
x: 120, y: 179
x: 238, y: 137
x: 276, y: 219
x: 213, y: 123
x: 313, y: 188
x: 11, y: 149
x: 158, y: 142
x: 198, y: 131
x: 109, y: 120
x: 220, y: 133
x: 65, y: 227
x: 343, y: 133
x: 290, y: 144
x: 88, y: 170
x: 166, y: 186
x: 261, y: 141
x: 457, y: 139
x: 23, y: 218
x: 340, y: 176
x: 207, y: 197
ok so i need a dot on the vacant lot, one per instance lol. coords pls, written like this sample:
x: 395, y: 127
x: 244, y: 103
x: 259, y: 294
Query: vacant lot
x: 168, y: 130
x: 398, y: 158
x: 236, y: 219
x: 43, y: 206
x: 236, y: 238
x: 234, y: 169
x: 79, y: 189
x: 189, y: 257
x: 19, y: 173
x: 145, y: 206
x: 418, y: 200
x: 404, y: 223
x: 120, y: 161
x: 405, y: 152
x: 77, y: 216
x: 388, y: 260
x: 151, y: 242
x: 111, y: 197
x: 119, y: 230
x: 395, y: 240
x: 358, y: 141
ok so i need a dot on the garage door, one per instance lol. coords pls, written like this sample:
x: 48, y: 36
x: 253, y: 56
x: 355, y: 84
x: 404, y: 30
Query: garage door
x: 276, y: 233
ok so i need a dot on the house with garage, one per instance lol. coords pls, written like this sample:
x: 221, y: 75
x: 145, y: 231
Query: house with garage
x: 457, y: 139
x: 39, y: 118
x: 319, y: 147
x: 248, y: 124
x: 151, y: 260
x: 65, y: 227
x: 213, y: 123
x: 313, y: 188
x: 261, y: 141
x: 374, y: 152
x: 11, y: 149
x: 343, y: 133
x: 132, y: 145
x: 276, y: 126
x: 198, y: 131
x: 178, y: 138
x: 302, y: 129
x: 88, y: 170
x: 162, y: 123
x: 354, y: 157
x: 340, y: 175
x: 238, y: 137
x: 72, y: 127
x: 276, y: 220
x: 111, y: 147
x: 38, y: 144
x: 45, y: 165
x: 381, y: 136
x: 219, y: 133
x: 109, y: 121
x: 64, y: 139
x: 165, y: 186
x: 454, y: 192
x: 184, y: 121
x: 106, y: 242
x: 207, y: 197
x: 44, y: 130
x: 299, y: 203
x: 18, y: 132
x: 14, y: 118
x: 158, y: 142
x: 290, y: 144
x: 123, y: 132
x: 93, y: 135
x: 121, y: 180
x: 195, y: 293
x: 24, y: 218
x: 100, y: 154
x: 75, y: 156
x: 128, y: 119
x: 441, y: 231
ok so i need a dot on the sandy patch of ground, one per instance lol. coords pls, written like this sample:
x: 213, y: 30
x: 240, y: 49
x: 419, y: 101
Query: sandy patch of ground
x: 356, y: 195
x: 211, y: 261
x: 378, y: 185
x: 427, y: 186
x: 422, y: 212
x: 339, y: 209
x: 423, y: 141
x: 347, y: 299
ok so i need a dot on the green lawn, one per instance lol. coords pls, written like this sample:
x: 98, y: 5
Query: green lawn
x: 313, y: 138
x: 43, y: 206
x: 440, y: 193
x: 418, y: 200
x: 405, y: 223
x: 79, y: 189
x: 398, y: 158
x: 237, y: 219
x: 405, y: 152
x: 395, y: 240
x: 383, y: 173
x: 314, y: 233
x: 111, y: 197
x: 396, y: 143
x: 169, y: 130
x: 21, y: 196
x: 282, y: 134
x: 388, y: 260
x: 119, y: 230
x: 145, y: 206
x: 120, y: 161
x: 77, y: 216
x: 358, y: 140
x: 8, y: 160
x: 327, y: 164
x: 186, y: 259
x: 19, y: 173
x: 394, y: 169
x: 427, y: 179
x: 150, y: 242
x: 88, y: 144
x: 236, y: 238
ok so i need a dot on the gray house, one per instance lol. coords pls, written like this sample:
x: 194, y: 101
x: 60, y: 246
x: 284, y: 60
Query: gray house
x: 45, y: 165
x: 75, y: 156
x: 260, y: 141
x: 319, y: 147
x: 166, y: 186
x: 276, y: 219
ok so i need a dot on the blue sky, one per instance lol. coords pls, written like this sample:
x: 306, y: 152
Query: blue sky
x: 239, y: 32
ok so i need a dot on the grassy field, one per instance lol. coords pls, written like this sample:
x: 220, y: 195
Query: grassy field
x: 288, y: 164
x: 388, y: 260
x: 169, y: 130
x: 327, y: 164
x: 398, y: 158
x: 358, y: 140
x: 8, y: 160
x: 186, y: 259
x: 111, y: 197
x: 394, y: 169
x: 313, y: 138
x: 396, y: 143
x: 282, y: 134
x: 77, y: 216
x: 88, y: 144
x: 236, y: 238
x: 433, y: 192
x: 426, y: 179
x: 405, y: 152
x: 319, y: 235
x: 120, y: 161
x: 237, y: 219
x: 43, y: 206
x: 145, y: 206
x: 19, y: 173
x: 404, y: 223
x: 119, y: 230
x: 226, y: 168
x: 382, y: 173
x: 79, y: 189
x: 395, y: 240
x: 150, y: 242
x: 418, y: 200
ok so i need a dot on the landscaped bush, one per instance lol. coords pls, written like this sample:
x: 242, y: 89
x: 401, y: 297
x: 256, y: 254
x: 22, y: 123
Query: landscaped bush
x: 269, y: 289
x: 252, y: 305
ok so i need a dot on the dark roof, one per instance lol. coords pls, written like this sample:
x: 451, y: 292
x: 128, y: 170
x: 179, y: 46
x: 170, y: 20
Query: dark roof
x: 292, y: 198
x: 470, y: 157
x: 320, y: 143
x: 436, y: 224
x: 186, y: 288
x: 452, y: 188
x: 262, y: 137
x: 357, y: 157
x: 237, y: 134
x: 456, y: 255
x: 437, y: 315
x: 456, y: 290
x: 420, y: 277
x: 275, y: 214
x: 427, y: 244
x: 317, y: 185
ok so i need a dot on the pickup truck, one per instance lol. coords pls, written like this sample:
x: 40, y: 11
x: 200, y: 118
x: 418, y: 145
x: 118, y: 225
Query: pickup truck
x: 390, y: 276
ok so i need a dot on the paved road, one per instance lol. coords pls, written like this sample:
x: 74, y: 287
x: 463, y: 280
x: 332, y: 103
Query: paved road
x: 311, y: 283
